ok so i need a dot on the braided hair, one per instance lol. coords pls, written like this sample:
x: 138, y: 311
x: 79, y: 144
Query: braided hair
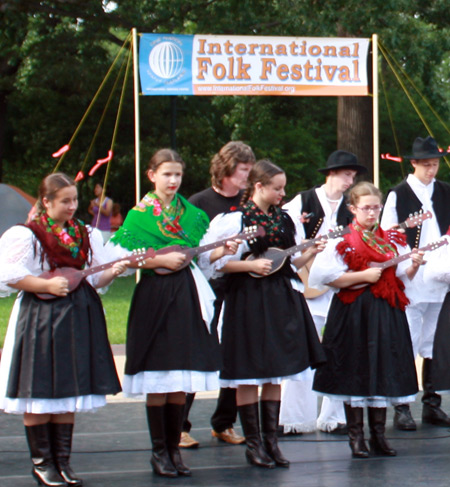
x: 262, y: 172
x: 50, y: 186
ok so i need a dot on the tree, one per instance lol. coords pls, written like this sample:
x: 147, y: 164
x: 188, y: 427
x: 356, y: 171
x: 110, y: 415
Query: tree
x: 56, y: 53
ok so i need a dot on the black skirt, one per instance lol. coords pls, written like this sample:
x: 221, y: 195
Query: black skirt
x: 268, y: 330
x: 441, y: 349
x: 369, y: 351
x: 166, y: 330
x: 61, y: 348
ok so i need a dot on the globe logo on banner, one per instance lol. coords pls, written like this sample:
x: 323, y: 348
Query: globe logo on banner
x: 165, y: 64
x: 166, y: 60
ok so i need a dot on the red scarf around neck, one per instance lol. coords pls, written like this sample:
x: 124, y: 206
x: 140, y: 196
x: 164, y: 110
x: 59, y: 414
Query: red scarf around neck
x: 57, y: 254
x: 357, y: 254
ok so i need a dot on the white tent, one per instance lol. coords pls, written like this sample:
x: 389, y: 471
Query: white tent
x: 14, y: 206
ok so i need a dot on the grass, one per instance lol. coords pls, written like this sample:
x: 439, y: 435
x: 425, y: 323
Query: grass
x: 116, y: 303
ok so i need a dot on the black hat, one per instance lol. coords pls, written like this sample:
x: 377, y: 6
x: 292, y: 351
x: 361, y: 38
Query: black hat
x: 341, y: 159
x: 425, y: 149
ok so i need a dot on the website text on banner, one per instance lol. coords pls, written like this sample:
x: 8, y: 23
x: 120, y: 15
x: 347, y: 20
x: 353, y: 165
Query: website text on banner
x: 250, y: 65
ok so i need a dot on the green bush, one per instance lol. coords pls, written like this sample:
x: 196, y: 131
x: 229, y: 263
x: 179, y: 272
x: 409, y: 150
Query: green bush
x: 116, y: 303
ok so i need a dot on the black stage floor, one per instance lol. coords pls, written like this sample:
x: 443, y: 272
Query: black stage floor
x: 111, y: 449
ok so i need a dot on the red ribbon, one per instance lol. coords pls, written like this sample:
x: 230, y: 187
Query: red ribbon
x: 100, y: 162
x: 391, y: 158
x: 79, y: 176
x: 61, y: 151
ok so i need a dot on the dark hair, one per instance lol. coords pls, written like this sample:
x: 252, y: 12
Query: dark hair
x: 50, y: 186
x: 262, y: 172
x: 364, y: 188
x: 162, y: 156
x: 224, y: 163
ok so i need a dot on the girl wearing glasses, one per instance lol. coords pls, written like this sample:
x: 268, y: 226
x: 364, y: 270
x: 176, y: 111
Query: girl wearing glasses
x: 370, y: 361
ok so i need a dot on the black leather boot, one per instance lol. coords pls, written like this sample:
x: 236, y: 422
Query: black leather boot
x: 355, y: 425
x: 61, y: 435
x: 255, y: 453
x: 377, y: 423
x: 160, y: 459
x: 39, y: 443
x: 270, y: 412
x: 403, y: 419
x: 431, y: 411
x: 174, y: 425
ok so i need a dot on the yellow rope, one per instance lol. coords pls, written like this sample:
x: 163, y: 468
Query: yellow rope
x: 424, y: 99
x: 416, y: 108
x: 119, y: 112
x: 102, y: 118
x: 391, y: 120
x: 390, y: 60
x: 122, y: 96
x: 127, y: 40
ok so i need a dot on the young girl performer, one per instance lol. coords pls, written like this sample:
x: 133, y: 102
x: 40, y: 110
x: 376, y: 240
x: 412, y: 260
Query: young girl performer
x: 170, y: 350
x: 268, y: 333
x: 370, y: 360
x: 57, y: 359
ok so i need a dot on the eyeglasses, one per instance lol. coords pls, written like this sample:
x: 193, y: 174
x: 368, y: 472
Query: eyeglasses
x: 367, y: 209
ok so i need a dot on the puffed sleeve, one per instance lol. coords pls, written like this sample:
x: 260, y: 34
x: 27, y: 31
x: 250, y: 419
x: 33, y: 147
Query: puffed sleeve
x: 115, y: 252
x: 327, y: 266
x: 294, y: 210
x: 102, y: 254
x: 19, y: 257
x: 400, y: 271
x: 437, y: 267
x: 99, y: 256
x: 224, y: 225
x: 389, y: 218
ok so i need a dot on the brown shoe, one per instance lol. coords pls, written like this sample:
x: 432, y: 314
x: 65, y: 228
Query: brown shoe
x: 229, y: 436
x: 186, y: 441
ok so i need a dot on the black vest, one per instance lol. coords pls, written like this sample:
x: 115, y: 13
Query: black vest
x: 408, y: 204
x: 311, y: 203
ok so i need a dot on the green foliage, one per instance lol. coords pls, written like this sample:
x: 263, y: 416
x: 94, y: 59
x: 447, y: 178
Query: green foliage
x: 6, y: 305
x: 116, y: 303
x: 55, y: 54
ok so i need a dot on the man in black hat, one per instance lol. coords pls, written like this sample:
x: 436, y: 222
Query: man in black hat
x: 329, y: 209
x: 421, y: 191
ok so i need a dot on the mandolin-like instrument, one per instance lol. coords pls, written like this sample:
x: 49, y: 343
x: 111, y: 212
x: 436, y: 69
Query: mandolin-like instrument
x: 249, y: 233
x: 75, y: 276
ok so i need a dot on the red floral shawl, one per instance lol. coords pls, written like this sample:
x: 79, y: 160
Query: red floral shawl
x: 357, y: 255
x: 55, y: 254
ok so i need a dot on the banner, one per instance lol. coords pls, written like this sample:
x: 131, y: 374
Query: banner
x: 250, y: 65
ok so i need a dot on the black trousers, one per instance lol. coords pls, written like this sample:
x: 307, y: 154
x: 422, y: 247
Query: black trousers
x: 225, y: 414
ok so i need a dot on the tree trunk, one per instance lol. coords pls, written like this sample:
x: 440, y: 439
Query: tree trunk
x: 355, y: 129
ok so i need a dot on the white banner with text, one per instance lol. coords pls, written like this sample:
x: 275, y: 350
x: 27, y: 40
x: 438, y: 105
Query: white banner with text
x: 249, y: 65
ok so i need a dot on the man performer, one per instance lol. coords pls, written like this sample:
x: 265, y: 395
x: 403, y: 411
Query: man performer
x: 229, y: 172
x: 421, y: 191
x: 328, y: 209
